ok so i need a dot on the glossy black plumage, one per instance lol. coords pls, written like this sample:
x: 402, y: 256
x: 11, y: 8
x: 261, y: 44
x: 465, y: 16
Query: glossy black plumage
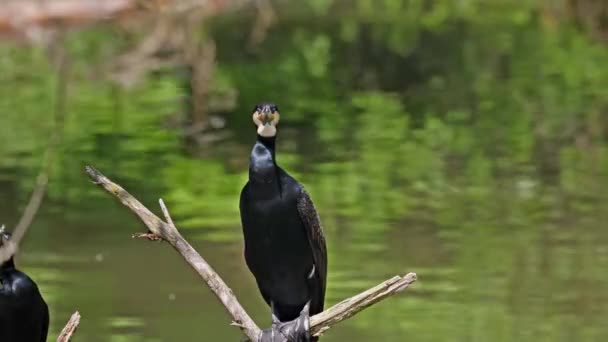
x: 284, y: 240
x: 24, y: 315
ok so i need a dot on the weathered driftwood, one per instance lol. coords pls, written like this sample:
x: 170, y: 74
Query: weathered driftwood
x: 167, y: 231
x: 70, y: 327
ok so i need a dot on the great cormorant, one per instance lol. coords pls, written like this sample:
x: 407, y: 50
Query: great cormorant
x: 284, y: 242
x: 24, y: 315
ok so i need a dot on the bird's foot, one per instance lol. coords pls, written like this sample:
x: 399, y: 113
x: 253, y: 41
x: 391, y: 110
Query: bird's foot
x: 297, y: 330
x: 291, y: 331
x: 301, y: 329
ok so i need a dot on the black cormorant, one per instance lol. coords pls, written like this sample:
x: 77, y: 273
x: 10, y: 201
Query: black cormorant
x: 24, y: 315
x: 284, y: 242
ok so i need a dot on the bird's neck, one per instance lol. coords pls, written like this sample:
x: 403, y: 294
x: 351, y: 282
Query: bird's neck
x: 268, y: 143
x: 263, y: 170
x: 8, y: 265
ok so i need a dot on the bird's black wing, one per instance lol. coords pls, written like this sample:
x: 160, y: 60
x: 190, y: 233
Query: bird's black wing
x: 316, y: 239
x: 45, y: 321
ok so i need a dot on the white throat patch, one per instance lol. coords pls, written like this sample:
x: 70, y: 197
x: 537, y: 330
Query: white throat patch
x: 267, y: 131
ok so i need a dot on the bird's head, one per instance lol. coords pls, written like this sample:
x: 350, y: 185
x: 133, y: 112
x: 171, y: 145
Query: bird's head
x: 4, y: 235
x: 266, y: 117
x: 7, y: 250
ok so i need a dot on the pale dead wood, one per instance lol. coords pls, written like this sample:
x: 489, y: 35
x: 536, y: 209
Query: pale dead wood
x: 35, y: 19
x: 167, y: 231
x: 266, y: 17
x: 70, y: 328
x: 10, y: 247
x: 321, y: 322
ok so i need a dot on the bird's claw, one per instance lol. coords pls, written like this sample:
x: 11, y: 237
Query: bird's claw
x: 292, y: 331
x: 297, y: 330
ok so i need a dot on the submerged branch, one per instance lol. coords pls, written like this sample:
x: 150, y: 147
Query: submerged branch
x: 167, y: 231
x: 70, y: 328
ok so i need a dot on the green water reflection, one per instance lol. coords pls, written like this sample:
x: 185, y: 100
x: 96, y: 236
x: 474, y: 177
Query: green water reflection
x: 466, y: 143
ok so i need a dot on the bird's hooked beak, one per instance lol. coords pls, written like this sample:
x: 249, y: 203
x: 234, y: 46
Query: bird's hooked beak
x: 266, y: 118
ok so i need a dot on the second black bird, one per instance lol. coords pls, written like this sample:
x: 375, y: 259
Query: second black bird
x: 24, y: 315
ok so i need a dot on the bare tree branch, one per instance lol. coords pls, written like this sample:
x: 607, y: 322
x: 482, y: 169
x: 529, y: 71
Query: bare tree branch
x: 347, y: 308
x: 266, y: 17
x: 10, y: 247
x: 163, y: 207
x: 70, y: 328
x: 167, y: 231
x: 35, y: 20
x: 170, y: 234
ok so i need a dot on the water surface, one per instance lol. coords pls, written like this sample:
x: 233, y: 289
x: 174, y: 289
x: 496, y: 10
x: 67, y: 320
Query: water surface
x: 467, y: 152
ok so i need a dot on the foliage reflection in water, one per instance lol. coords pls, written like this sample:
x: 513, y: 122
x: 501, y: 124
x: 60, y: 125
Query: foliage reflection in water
x: 470, y: 149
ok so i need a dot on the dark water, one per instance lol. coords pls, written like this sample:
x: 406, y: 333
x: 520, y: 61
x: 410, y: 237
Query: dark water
x: 436, y: 148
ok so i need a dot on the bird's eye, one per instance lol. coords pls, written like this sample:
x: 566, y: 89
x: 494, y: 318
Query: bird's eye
x: 275, y: 108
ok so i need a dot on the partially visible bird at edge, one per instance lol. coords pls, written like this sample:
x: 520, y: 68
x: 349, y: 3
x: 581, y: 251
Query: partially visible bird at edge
x: 24, y: 315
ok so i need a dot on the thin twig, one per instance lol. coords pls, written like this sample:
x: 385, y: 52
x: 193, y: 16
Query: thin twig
x: 70, y: 328
x: 163, y: 207
x: 167, y: 231
x: 10, y: 247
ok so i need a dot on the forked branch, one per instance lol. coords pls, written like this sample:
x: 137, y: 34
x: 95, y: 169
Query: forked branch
x: 167, y: 231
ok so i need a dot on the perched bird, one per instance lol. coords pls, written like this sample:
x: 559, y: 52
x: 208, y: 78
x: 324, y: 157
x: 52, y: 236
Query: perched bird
x: 284, y: 242
x: 24, y: 315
